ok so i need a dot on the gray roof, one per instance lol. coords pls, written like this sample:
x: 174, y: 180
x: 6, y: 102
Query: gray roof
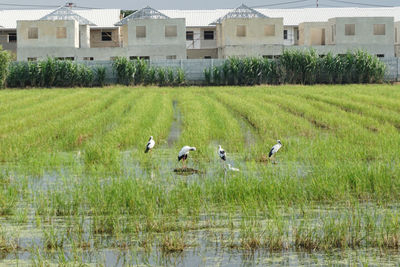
x: 65, y: 13
x: 144, y: 13
x: 239, y: 13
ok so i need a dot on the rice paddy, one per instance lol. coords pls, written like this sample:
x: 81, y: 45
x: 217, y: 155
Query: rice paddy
x: 77, y: 188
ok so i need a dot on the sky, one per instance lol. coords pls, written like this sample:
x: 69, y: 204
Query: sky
x: 189, y: 4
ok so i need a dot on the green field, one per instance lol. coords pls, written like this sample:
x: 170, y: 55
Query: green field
x: 77, y: 187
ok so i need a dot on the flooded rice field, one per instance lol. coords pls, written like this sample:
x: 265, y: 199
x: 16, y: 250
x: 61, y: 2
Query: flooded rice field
x: 76, y: 187
x: 54, y: 224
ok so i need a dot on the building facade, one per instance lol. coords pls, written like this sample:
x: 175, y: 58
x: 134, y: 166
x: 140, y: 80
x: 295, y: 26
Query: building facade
x: 68, y: 33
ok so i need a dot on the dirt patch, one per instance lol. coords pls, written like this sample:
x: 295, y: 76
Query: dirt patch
x: 187, y: 171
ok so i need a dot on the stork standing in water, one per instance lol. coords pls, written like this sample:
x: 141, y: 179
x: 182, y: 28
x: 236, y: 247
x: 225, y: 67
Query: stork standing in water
x: 150, y: 144
x: 184, y: 153
x: 221, y: 153
x: 275, y: 149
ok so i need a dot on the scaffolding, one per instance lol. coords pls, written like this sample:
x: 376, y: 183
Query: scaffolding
x: 144, y: 13
x: 65, y: 13
x: 242, y: 12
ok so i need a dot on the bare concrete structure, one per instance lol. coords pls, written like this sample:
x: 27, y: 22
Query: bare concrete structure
x: 245, y: 32
x: 201, y: 42
x: 197, y: 34
x: 375, y: 35
x: 8, y: 39
x: 150, y: 34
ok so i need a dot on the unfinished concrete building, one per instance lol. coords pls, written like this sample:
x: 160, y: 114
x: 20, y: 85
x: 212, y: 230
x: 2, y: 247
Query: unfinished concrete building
x: 101, y: 34
x: 149, y: 34
x: 247, y: 32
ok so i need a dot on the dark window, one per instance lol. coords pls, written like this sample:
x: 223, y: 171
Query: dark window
x: 139, y: 57
x: 65, y: 58
x: 12, y: 37
x: 285, y: 34
x: 297, y: 34
x: 267, y: 56
x: 106, y: 36
x: 207, y: 57
x: 380, y: 55
x: 32, y: 58
x: 88, y: 58
x: 189, y: 35
x: 208, y: 35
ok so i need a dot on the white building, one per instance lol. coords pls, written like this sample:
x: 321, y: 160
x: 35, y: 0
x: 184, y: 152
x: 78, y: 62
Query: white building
x: 100, y: 34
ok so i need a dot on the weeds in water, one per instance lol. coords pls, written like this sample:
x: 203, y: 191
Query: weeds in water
x: 173, y: 242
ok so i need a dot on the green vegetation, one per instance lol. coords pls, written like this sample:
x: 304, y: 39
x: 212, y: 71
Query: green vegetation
x: 4, y: 62
x: 73, y: 169
x: 52, y: 72
x: 299, y: 67
x: 135, y: 72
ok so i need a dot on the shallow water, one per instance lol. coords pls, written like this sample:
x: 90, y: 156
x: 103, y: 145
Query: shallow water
x: 209, y: 241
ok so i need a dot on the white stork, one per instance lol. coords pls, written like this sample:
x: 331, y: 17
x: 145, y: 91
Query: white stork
x: 221, y: 153
x: 184, y: 153
x: 150, y: 144
x: 275, y: 149
x: 232, y: 168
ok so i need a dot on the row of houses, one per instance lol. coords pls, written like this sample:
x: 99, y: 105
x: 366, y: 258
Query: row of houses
x: 101, y: 34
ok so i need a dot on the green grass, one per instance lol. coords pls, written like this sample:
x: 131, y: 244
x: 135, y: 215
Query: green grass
x: 340, y: 150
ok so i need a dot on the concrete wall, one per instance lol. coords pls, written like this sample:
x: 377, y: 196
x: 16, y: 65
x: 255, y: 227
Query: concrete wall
x: 201, y: 53
x: 314, y: 33
x: 364, y: 30
x: 198, y: 41
x: 155, y: 45
x: 104, y: 53
x: 47, y: 34
x: 96, y: 39
x: 84, y: 36
x: 9, y: 46
x: 254, y: 31
x: 255, y: 43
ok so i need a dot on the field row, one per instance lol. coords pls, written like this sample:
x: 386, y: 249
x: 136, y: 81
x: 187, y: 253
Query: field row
x: 339, y: 122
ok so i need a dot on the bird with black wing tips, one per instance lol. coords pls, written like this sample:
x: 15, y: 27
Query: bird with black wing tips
x: 150, y: 144
x: 275, y: 149
x: 183, y: 154
x: 221, y: 153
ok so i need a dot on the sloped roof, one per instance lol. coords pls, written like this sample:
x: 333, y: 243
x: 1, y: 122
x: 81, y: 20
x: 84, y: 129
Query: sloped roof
x: 144, y: 13
x: 100, y: 17
x: 65, y: 13
x: 202, y: 18
x: 239, y: 13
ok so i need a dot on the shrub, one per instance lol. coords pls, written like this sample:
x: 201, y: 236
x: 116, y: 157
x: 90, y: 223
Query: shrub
x: 100, y: 75
x: 180, y: 77
x: 161, y: 76
x: 207, y: 76
x: 170, y: 76
x: 4, y: 63
x: 125, y: 70
x: 48, y: 71
x: 150, y: 76
x: 140, y: 70
x: 298, y: 67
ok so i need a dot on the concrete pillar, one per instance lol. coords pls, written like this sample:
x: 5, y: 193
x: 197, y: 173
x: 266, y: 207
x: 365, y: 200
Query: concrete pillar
x: 84, y: 36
